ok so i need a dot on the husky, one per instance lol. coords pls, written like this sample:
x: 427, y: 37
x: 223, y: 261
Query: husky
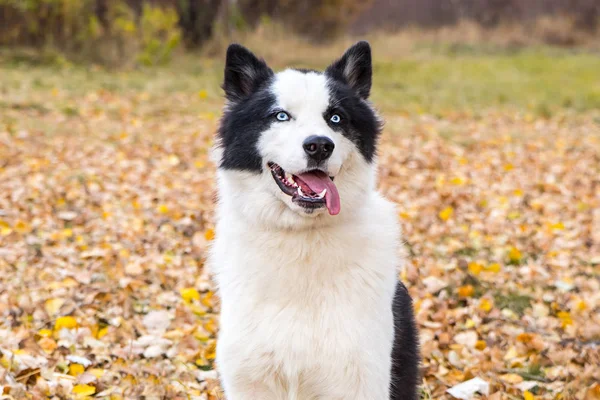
x: 305, y: 254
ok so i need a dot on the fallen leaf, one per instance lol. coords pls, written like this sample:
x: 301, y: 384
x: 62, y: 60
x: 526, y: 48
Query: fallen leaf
x: 468, y: 389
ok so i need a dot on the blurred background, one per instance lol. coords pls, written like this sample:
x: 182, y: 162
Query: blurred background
x: 108, y: 110
x: 150, y: 31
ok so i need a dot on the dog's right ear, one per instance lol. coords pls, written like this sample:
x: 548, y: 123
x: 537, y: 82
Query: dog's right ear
x: 244, y: 73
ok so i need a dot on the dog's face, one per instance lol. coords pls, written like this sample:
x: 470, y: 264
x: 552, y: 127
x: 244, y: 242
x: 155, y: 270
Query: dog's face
x: 297, y: 145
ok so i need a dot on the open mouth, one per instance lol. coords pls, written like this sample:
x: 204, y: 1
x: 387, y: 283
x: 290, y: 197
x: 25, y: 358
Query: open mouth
x: 311, y: 189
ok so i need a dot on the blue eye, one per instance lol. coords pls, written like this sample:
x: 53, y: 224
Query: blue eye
x: 335, y: 119
x: 282, y: 116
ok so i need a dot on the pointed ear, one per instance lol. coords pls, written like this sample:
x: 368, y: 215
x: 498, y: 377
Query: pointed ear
x: 244, y: 73
x: 355, y: 68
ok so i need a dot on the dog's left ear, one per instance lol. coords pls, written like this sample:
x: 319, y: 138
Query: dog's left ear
x: 355, y: 68
x: 244, y: 73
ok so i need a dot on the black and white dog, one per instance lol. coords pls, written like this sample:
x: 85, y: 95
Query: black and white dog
x: 306, y: 250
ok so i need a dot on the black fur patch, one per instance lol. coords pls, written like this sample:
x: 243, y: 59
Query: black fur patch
x: 246, y: 84
x: 359, y: 122
x: 405, y: 353
x: 349, y: 80
x: 244, y: 73
x: 241, y: 127
x: 355, y: 68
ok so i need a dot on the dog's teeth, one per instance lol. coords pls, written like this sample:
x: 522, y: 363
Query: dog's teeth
x: 322, y: 194
x: 289, y: 179
x: 300, y: 192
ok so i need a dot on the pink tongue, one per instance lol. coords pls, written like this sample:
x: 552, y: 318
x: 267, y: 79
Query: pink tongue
x: 317, y: 181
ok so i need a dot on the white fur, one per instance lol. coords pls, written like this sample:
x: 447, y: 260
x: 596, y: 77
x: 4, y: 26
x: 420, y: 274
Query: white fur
x: 306, y: 298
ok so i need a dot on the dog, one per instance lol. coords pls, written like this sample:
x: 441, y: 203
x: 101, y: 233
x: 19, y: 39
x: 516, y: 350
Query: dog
x: 305, y: 254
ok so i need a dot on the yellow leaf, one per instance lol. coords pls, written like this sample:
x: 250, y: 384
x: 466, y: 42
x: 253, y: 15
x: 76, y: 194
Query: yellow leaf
x: 207, y: 300
x: 466, y: 291
x: 163, y: 209
x: 458, y: 181
x: 210, y: 326
x: 84, y: 390
x: 404, y: 215
x: 513, y: 215
x: 559, y: 226
x: 446, y: 213
x: 209, y: 234
x: 76, y: 369
x: 67, y: 232
x: 565, y: 318
x: 44, y: 332
x: 509, y: 167
x: 189, y: 294
x: 494, y: 267
x: 97, y: 372
x: 475, y: 268
x: 485, y: 305
x: 518, y: 192
x: 65, y: 322
x: 480, y: 345
x: 201, y: 335
x: 203, y: 94
x: 210, y: 351
x: 102, y: 332
x: 582, y: 305
x: 197, y: 309
x: 514, y: 255
x: 5, y: 228
x: 53, y: 306
x: 527, y: 395
x: 22, y: 227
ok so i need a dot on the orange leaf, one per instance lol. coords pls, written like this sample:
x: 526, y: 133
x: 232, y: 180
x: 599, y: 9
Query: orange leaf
x: 466, y: 291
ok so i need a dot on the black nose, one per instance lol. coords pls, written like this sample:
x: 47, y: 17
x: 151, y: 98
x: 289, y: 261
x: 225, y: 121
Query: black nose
x: 319, y: 148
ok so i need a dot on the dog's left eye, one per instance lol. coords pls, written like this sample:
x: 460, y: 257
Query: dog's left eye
x: 335, y: 119
x: 282, y: 116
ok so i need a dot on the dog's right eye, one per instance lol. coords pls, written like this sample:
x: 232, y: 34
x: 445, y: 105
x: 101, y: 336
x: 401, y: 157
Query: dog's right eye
x: 282, y: 116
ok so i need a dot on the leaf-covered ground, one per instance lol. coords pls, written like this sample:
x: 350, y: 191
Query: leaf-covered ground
x: 106, y: 199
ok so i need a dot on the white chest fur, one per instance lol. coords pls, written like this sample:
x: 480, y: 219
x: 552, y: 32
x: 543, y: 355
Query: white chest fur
x: 306, y: 314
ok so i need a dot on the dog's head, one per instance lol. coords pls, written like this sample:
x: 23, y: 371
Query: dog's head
x: 297, y: 146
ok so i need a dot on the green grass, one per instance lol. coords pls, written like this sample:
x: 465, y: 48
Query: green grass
x: 537, y: 80
x: 426, y: 80
x: 513, y: 301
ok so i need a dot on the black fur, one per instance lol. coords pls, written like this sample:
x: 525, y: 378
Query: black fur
x: 248, y: 114
x: 405, y: 353
x: 349, y: 85
x: 355, y: 69
x: 240, y: 130
x: 244, y: 73
x: 359, y: 122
